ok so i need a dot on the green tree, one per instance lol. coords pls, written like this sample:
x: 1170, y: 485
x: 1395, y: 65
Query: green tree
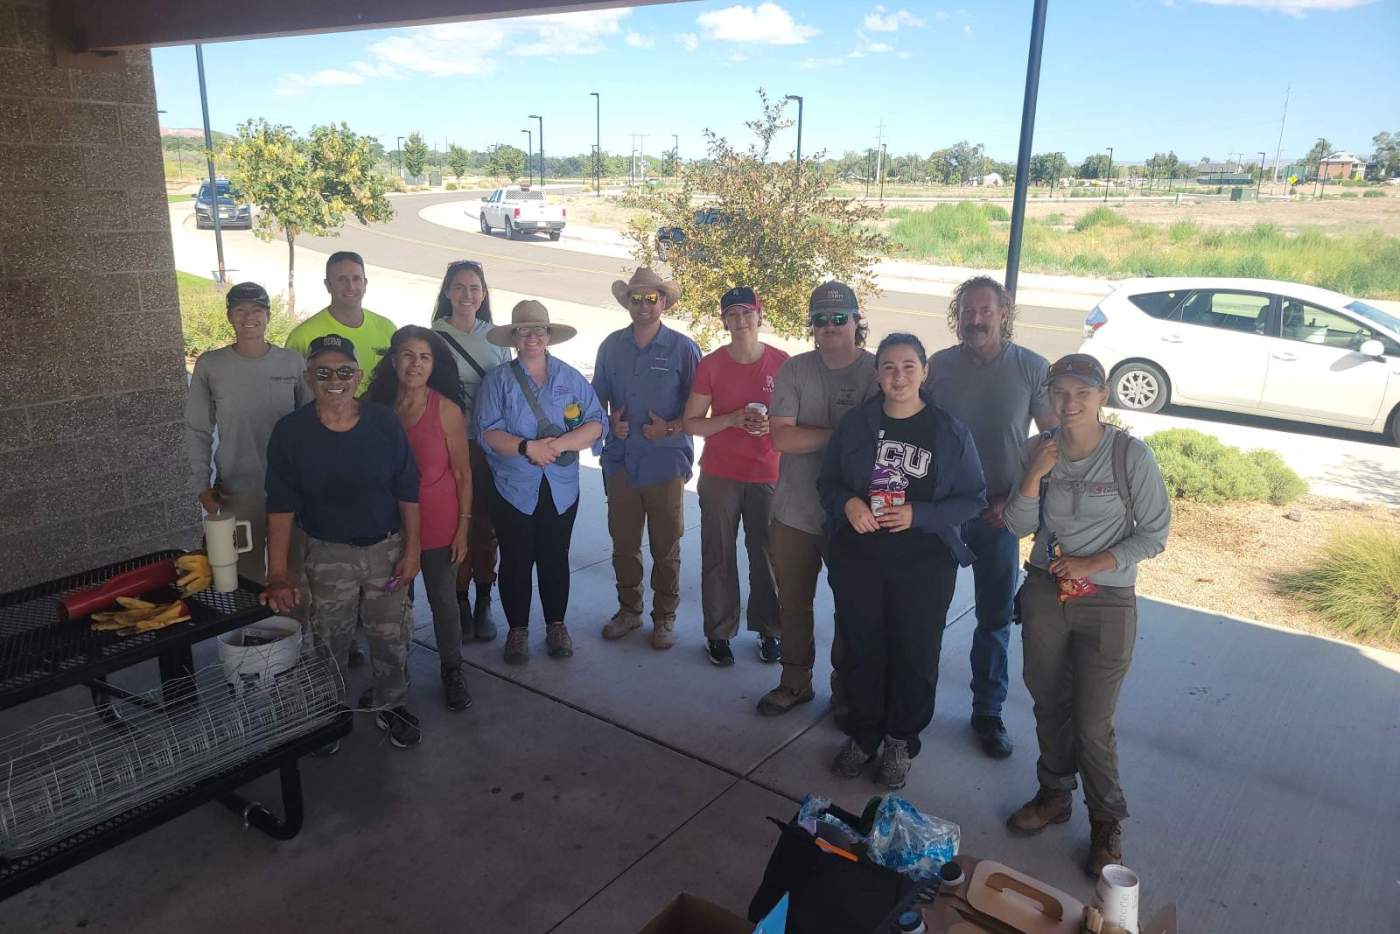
x: 1047, y: 168
x: 460, y: 160
x: 782, y: 232
x: 415, y: 155
x: 1387, y: 154
x: 504, y: 161
x: 1163, y: 165
x: 1320, y: 150
x: 1096, y: 166
x: 306, y: 185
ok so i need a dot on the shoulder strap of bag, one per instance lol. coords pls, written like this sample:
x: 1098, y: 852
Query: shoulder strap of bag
x: 463, y: 351
x: 1121, y: 442
x: 531, y: 396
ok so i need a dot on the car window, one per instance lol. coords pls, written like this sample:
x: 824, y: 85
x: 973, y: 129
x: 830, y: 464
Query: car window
x: 1158, y: 304
x: 1313, y: 325
x: 1242, y: 312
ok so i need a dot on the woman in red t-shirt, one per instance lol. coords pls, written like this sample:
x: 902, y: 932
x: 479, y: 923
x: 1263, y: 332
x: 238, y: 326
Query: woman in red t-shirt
x: 728, y: 407
x: 418, y: 378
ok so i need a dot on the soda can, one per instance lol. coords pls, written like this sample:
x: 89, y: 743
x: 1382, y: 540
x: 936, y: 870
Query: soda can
x: 758, y: 408
x: 881, y: 500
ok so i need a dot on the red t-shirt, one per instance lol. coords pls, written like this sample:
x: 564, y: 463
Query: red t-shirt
x: 734, y: 453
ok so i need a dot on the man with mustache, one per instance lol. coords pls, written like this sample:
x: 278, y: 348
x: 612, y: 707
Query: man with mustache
x: 995, y: 388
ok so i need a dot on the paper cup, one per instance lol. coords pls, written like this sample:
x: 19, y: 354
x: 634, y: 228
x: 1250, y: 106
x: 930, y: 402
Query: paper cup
x: 1117, y: 896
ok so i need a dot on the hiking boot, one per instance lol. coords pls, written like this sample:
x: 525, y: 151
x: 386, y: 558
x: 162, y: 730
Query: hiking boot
x: 770, y: 650
x: 357, y: 656
x: 719, y: 652
x: 401, y: 726
x: 1046, y: 808
x: 992, y: 735
x: 557, y: 641
x: 851, y: 760
x: 663, y: 633
x: 894, y: 764
x: 483, y: 620
x: 454, y: 689
x: 1105, y: 845
x: 517, y: 646
x: 464, y: 609
x: 620, y: 625
x: 783, y: 698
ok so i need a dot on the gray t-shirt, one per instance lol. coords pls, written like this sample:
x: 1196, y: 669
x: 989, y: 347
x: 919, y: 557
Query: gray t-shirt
x: 1085, y: 510
x: 243, y: 397
x: 996, y: 401
x: 483, y: 352
x: 815, y: 395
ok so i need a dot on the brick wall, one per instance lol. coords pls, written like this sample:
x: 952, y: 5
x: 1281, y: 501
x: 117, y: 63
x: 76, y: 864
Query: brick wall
x: 92, y: 372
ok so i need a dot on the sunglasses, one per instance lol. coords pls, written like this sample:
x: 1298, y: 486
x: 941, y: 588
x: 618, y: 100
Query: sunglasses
x: 645, y: 298
x: 535, y: 331
x: 836, y: 319
x: 464, y: 264
x: 325, y: 374
x: 1081, y: 368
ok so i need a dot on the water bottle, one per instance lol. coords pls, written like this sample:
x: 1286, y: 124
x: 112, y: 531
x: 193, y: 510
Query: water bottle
x: 912, y: 922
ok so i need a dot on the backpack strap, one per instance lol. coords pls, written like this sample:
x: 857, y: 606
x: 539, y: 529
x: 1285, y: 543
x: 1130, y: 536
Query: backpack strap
x: 463, y: 351
x: 1121, y: 442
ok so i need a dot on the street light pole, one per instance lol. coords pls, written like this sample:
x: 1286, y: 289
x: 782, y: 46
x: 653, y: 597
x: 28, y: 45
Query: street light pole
x: 209, y: 152
x: 1023, y: 154
x: 881, y: 170
x: 541, y: 120
x: 1108, y: 178
x: 798, y: 98
x: 1259, y: 185
x: 400, y: 153
x: 597, y: 143
x: 529, y: 154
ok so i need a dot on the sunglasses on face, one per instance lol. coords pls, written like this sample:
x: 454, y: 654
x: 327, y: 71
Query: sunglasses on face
x: 536, y: 331
x: 836, y: 319
x: 644, y: 298
x: 325, y: 374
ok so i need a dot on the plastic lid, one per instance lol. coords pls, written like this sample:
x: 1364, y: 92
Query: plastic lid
x: 950, y: 873
x: 911, y: 921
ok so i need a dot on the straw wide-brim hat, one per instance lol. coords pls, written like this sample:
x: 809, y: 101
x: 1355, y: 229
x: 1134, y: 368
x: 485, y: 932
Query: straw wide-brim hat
x: 643, y: 280
x: 524, y: 314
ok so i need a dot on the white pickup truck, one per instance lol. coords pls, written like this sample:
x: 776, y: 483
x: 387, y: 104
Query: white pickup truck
x: 519, y: 210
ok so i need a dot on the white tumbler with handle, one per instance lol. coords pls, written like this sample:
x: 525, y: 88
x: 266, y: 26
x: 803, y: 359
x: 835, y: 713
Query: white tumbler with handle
x: 220, y: 540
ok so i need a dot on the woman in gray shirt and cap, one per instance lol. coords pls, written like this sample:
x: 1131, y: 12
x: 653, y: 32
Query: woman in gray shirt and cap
x: 1095, y: 500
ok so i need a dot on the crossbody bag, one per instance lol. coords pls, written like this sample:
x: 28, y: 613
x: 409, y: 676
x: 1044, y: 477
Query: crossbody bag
x: 544, y: 427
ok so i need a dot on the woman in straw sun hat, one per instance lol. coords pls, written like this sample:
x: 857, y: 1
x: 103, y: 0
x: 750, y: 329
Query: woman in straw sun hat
x: 533, y: 416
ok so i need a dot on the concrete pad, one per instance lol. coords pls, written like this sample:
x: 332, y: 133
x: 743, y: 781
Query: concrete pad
x: 508, y: 817
x: 1252, y: 758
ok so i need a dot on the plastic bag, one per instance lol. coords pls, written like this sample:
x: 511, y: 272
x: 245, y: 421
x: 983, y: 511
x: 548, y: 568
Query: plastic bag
x: 911, y: 843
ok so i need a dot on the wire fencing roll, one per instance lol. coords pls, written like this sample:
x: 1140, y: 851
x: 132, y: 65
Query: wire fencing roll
x: 73, y: 771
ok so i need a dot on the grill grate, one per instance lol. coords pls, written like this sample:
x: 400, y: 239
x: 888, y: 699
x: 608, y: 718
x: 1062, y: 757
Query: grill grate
x: 40, y: 653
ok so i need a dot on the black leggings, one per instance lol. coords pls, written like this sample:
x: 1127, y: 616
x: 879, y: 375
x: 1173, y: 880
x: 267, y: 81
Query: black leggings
x: 539, y: 542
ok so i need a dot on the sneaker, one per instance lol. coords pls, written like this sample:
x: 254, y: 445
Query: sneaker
x: 357, y: 656
x: 620, y: 625
x: 1105, y: 845
x: 401, y: 726
x: 1046, y: 808
x: 770, y: 650
x: 663, y: 633
x: 719, y: 652
x: 518, y: 646
x: 991, y: 733
x: 851, y: 760
x: 328, y: 750
x: 783, y: 698
x: 557, y: 641
x: 454, y: 688
x: 894, y: 764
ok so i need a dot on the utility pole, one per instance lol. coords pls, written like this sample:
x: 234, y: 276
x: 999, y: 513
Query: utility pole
x: 597, y: 143
x: 400, y: 152
x: 880, y: 158
x: 529, y: 155
x: 882, y: 173
x: 1259, y: 185
x: 209, y: 150
x: 798, y: 98
x: 642, y: 156
x: 1108, y: 176
x: 541, y: 120
x: 1283, y: 122
x: 1023, y: 154
x: 675, y: 152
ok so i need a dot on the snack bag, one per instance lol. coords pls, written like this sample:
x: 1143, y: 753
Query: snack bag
x: 1069, y: 587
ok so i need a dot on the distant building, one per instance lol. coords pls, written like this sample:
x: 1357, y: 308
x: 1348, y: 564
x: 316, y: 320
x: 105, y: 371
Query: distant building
x: 991, y: 179
x: 1341, y: 166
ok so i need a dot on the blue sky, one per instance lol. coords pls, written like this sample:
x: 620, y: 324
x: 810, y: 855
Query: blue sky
x: 1203, y: 77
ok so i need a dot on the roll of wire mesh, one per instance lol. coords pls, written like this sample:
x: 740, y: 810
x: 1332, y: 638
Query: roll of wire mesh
x: 73, y: 771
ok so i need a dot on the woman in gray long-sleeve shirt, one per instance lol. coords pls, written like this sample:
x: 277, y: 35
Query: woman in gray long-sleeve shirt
x: 1095, y: 500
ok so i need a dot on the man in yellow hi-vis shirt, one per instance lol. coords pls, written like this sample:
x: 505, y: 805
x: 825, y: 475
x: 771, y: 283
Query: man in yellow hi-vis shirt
x: 346, y: 316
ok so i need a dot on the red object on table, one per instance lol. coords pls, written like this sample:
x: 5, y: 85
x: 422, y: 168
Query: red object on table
x: 133, y: 583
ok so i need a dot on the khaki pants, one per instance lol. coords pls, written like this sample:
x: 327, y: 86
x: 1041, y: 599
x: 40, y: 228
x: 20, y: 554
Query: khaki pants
x: 1076, y: 656
x: 724, y: 503
x: 797, y: 563
x: 660, y: 507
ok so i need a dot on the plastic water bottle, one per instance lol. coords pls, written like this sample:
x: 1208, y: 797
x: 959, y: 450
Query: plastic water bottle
x: 911, y: 922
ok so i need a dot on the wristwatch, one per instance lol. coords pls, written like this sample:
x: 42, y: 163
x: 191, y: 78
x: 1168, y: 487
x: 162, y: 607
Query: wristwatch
x: 521, y: 446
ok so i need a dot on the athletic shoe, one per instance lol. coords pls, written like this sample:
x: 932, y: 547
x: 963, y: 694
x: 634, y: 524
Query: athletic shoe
x: 770, y: 650
x: 401, y: 726
x: 894, y: 764
x: 719, y: 652
x: 518, y: 646
x: 454, y: 688
x: 851, y: 760
x: 557, y: 641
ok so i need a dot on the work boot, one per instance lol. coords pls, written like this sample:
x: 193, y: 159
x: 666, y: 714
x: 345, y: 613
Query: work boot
x: 1105, y: 845
x: 851, y: 760
x: 621, y: 624
x: 464, y: 608
x: 1046, y: 808
x: 992, y: 735
x: 483, y: 620
x: 783, y: 698
x: 518, y: 646
x: 663, y: 633
x: 454, y: 688
x: 894, y: 764
x: 558, y: 641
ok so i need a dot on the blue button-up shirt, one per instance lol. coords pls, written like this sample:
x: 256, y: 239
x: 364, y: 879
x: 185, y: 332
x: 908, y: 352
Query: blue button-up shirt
x: 501, y: 405
x: 641, y: 381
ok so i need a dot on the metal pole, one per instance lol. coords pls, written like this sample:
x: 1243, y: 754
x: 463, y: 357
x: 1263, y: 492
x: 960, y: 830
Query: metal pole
x: 400, y: 152
x: 209, y: 152
x: 1259, y: 185
x: 798, y: 98
x: 868, y: 155
x: 1108, y: 176
x: 597, y: 144
x: 1283, y: 122
x: 541, y: 120
x: 529, y: 155
x: 1023, y: 155
x: 881, y: 170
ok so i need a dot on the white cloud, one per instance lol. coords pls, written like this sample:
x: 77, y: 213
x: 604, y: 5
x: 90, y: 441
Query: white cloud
x: 737, y: 57
x: 967, y: 29
x: 823, y: 63
x: 879, y: 21
x: 688, y: 41
x: 638, y: 41
x: 1293, y: 7
x: 941, y: 15
x: 767, y: 24
x: 295, y: 85
x: 866, y: 46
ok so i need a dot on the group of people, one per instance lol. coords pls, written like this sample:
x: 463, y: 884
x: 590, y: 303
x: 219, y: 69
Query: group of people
x: 431, y: 449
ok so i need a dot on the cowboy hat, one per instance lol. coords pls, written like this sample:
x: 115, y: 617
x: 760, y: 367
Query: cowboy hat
x: 526, y: 314
x: 644, y: 280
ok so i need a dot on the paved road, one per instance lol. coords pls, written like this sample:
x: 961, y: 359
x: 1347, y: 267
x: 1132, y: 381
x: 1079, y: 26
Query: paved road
x: 410, y: 244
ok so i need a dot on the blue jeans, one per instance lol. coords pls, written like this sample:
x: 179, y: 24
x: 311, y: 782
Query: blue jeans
x: 996, y: 554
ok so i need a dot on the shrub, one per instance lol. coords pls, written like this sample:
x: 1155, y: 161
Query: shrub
x: 1373, y: 193
x: 995, y: 212
x: 1199, y: 467
x: 204, y: 319
x: 1355, y: 583
x: 1100, y: 217
x: 1284, y: 483
x: 450, y: 186
x: 394, y: 183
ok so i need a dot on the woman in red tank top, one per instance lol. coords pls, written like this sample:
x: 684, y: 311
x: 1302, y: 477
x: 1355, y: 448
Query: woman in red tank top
x: 418, y: 378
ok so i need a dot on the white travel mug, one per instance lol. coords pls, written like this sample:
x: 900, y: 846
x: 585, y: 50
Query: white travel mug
x: 1117, y: 897
x: 220, y: 541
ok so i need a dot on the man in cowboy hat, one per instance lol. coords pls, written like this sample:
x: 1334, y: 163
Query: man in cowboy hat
x: 642, y: 377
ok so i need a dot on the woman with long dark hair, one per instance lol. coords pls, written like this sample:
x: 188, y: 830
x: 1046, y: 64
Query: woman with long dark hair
x: 462, y: 317
x: 418, y: 378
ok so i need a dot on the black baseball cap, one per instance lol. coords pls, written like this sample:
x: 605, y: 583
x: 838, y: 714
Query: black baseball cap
x: 328, y: 343
x: 739, y: 295
x: 248, y: 292
x: 833, y: 296
x: 1079, y: 365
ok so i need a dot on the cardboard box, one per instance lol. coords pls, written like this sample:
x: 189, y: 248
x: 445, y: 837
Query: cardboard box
x: 688, y: 914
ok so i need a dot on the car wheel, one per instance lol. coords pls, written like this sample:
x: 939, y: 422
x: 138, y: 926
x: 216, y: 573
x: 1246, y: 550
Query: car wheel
x: 1395, y: 426
x: 510, y: 230
x: 1140, y: 387
x: 485, y: 227
x: 554, y: 234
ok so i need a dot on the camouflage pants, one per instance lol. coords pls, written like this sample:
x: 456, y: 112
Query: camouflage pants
x: 347, y: 583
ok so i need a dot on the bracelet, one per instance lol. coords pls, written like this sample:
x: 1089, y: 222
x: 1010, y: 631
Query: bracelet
x: 464, y: 515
